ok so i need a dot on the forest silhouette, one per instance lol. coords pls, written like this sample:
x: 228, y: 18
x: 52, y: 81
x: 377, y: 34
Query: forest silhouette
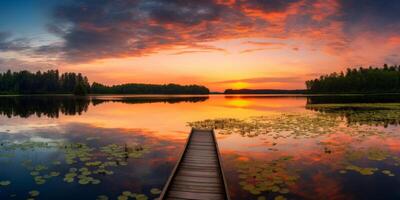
x: 362, y: 80
x: 51, y: 82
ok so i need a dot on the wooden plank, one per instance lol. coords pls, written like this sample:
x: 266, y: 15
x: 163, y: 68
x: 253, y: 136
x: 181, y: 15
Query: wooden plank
x: 195, y: 195
x: 200, y: 162
x: 198, y: 174
x: 193, y: 155
x: 190, y: 188
x: 209, y: 159
x: 198, y: 179
x: 197, y: 169
x: 215, y: 185
x: 198, y: 165
x: 198, y: 187
x: 192, y: 147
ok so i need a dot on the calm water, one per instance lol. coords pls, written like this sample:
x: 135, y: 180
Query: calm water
x: 282, y: 147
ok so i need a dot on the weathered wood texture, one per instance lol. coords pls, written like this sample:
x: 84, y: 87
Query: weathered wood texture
x: 198, y: 174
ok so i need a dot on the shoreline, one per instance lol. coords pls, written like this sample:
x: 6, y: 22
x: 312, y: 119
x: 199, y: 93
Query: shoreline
x: 211, y: 94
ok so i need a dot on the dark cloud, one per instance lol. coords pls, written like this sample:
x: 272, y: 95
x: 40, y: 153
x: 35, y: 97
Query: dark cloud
x: 23, y: 46
x: 52, y: 50
x: 370, y: 15
x: 56, y: 29
x: 17, y: 64
x: 95, y: 29
x: 392, y: 59
x: 187, y: 12
x: 9, y: 44
x: 266, y: 5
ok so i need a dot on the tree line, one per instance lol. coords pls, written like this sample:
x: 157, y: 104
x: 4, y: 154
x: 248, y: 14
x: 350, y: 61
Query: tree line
x: 52, y: 82
x: 25, y: 82
x: 384, y: 79
x: 134, y: 88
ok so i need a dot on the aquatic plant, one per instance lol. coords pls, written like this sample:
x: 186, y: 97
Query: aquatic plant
x: 374, y: 114
x: 5, y: 183
x: 155, y: 191
x: 278, y: 126
x: 127, y: 195
x: 102, y: 197
x: 85, y: 164
x: 373, y: 154
x: 286, y: 125
x: 34, y: 193
x: 260, y: 176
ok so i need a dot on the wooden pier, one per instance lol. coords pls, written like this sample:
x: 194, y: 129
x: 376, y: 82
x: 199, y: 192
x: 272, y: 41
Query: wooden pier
x: 198, y: 173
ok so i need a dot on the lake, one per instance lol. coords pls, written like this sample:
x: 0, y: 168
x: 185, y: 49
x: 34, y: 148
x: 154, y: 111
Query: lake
x: 273, y: 147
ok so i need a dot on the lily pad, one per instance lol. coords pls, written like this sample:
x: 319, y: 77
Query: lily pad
x: 279, y: 198
x: 141, y: 197
x: 34, y: 173
x: 34, y: 193
x: 155, y: 191
x: 102, y: 197
x: 122, y: 197
x: 5, y: 183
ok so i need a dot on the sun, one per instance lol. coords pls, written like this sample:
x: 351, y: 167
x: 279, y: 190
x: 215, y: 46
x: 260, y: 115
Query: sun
x: 239, y: 85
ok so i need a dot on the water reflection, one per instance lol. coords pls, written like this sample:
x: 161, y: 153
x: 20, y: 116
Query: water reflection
x: 371, y: 110
x: 49, y: 161
x: 288, y: 147
x: 49, y: 106
x: 52, y: 106
x: 336, y: 99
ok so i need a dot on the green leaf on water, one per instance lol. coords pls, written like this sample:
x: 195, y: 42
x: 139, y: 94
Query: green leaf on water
x: 83, y: 181
x: 284, y: 191
x: 155, y: 191
x: 141, y: 197
x: 122, y: 197
x: 53, y: 174
x: 279, y: 197
x: 5, y: 183
x: 102, y: 197
x: 56, y: 162
x: 35, y: 173
x: 386, y: 172
x: 34, y: 193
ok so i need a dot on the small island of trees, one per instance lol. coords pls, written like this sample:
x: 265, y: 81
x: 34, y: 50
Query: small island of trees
x: 51, y: 82
x: 362, y: 80
x: 135, y: 88
x: 48, y: 82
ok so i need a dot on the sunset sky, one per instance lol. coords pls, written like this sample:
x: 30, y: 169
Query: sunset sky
x: 218, y: 43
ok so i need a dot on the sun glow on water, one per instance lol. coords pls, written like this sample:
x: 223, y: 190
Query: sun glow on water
x: 239, y: 103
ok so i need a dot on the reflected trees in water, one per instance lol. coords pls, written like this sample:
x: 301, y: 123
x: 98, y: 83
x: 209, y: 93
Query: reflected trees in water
x: 53, y: 106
